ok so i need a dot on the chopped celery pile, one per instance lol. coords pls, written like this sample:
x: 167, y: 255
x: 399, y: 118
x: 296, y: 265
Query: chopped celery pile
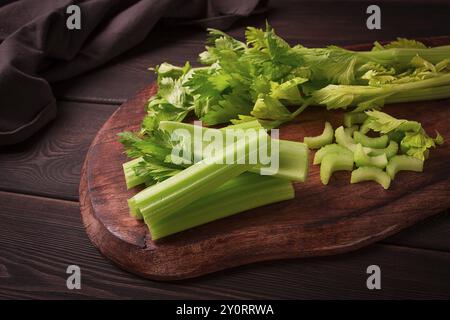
x: 400, y: 145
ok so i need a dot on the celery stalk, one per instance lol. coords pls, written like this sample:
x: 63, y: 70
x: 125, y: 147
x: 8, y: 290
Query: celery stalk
x: 293, y: 156
x: 131, y: 179
x: 242, y: 193
x: 433, y: 93
x: 403, y: 56
x: 195, y: 181
x: 366, y: 97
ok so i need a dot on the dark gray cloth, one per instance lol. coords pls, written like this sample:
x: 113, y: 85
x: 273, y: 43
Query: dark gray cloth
x: 36, y: 47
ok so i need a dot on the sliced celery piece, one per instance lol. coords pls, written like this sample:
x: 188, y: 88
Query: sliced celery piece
x: 195, y: 181
x: 396, y: 136
x: 403, y: 162
x: 378, y: 142
x: 371, y: 174
x: 364, y: 128
x: 242, y: 193
x: 328, y: 149
x: 362, y: 159
x: 350, y: 130
x: 352, y: 118
x: 343, y: 139
x: 334, y: 162
x: 390, y: 151
x: 319, y: 141
x: 293, y: 156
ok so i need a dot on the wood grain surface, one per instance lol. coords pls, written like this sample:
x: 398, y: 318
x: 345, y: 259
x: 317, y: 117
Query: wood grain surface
x: 40, y: 237
x: 319, y: 221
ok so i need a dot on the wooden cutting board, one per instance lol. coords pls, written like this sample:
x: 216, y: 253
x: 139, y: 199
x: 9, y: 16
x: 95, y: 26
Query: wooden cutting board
x: 321, y: 220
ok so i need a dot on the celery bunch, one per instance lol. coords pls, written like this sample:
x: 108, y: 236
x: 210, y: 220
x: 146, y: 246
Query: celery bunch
x: 179, y: 197
x: 267, y: 79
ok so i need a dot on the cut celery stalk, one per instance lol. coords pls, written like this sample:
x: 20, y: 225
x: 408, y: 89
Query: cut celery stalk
x: 319, y: 141
x: 131, y: 179
x: 293, y: 161
x: 390, y: 151
x: 334, y: 162
x: 329, y: 149
x: 378, y: 142
x: 293, y: 156
x: 371, y: 174
x: 363, y: 160
x: 403, y: 162
x: 352, y: 118
x: 242, y: 193
x: 350, y: 130
x: 343, y: 139
x: 195, y: 181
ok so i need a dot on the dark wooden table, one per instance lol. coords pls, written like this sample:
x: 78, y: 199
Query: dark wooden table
x: 40, y: 227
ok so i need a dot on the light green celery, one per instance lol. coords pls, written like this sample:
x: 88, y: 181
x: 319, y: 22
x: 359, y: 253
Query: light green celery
x: 390, y: 151
x: 242, y: 193
x: 293, y: 156
x: 352, y: 118
x: 403, y: 56
x: 131, y: 179
x: 366, y: 97
x: 396, y: 135
x: 343, y: 139
x: 293, y: 161
x: 329, y: 149
x: 196, y: 181
x: 433, y: 93
x: 350, y: 130
x: 403, y: 162
x: 321, y: 140
x: 334, y: 162
x: 377, y: 142
x: 364, y: 128
x: 362, y: 159
x: 371, y: 174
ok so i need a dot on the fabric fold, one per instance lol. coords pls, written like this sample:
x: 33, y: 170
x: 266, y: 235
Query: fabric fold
x: 37, y: 48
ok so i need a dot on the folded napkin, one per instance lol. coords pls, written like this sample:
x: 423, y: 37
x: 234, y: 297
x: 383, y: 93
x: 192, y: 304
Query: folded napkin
x: 37, y: 48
